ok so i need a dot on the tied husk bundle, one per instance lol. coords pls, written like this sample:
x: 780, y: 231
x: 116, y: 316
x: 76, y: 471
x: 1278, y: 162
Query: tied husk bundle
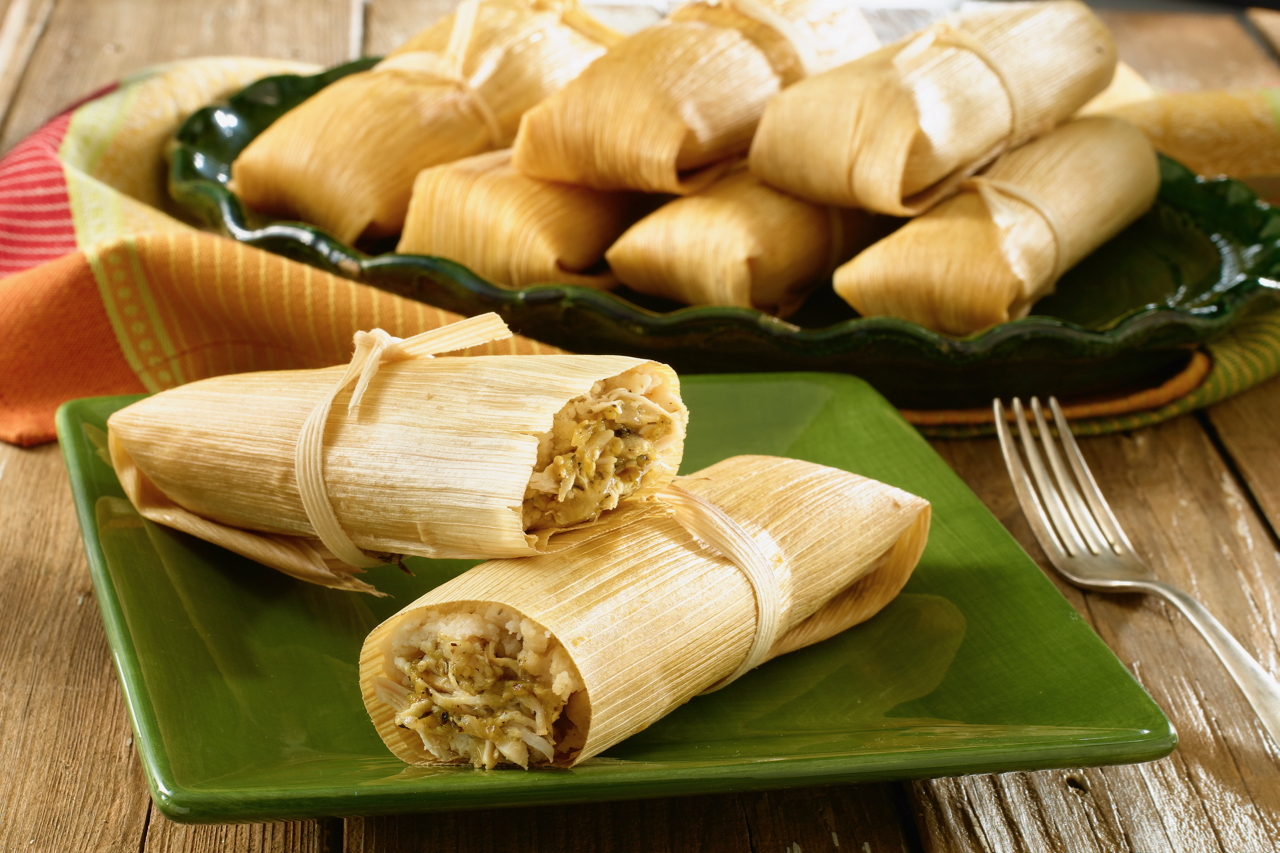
x: 1212, y: 133
x: 898, y: 130
x: 740, y: 242
x: 511, y: 229
x: 663, y: 110
x: 985, y: 255
x: 346, y: 158
x: 475, y: 457
x: 554, y: 659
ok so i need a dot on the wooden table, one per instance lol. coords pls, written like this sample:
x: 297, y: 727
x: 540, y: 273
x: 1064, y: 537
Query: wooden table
x: 1200, y: 497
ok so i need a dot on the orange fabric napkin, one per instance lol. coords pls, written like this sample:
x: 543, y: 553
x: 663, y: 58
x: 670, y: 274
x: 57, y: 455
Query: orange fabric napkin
x: 150, y: 312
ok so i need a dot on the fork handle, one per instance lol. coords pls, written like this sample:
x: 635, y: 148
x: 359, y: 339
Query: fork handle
x: 1262, y: 691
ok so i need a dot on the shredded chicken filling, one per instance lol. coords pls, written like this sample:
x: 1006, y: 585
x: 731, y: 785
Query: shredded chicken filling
x: 487, y: 691
x: 599, y: 451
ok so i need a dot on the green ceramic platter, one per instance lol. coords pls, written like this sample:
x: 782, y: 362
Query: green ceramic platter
x: 242, y: 687
x: 1206, y: 255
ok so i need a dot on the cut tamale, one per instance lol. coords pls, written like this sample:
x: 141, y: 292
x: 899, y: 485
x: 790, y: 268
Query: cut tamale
x: 481, y: 456
x: 740, y: 242
x: 898, y: 130
x: 985, y: 255
x: 757, y: 557
x: 346, y: 158
x: 663, y: 110
x: 511, y: 229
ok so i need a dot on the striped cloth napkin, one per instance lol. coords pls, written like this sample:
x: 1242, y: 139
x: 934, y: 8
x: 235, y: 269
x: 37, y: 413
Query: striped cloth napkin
x: 106, y: 291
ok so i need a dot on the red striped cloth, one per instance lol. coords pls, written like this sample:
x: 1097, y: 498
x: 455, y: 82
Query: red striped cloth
x: 35, y: 211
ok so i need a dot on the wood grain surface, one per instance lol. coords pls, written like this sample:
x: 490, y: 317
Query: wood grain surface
x: 1199, y: 496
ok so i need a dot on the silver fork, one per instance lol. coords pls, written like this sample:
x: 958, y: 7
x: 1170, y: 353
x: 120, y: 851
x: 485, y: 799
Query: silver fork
x: 1086, y: 545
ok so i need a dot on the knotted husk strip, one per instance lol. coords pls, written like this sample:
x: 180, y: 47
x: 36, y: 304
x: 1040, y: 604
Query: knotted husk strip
x: 740, y: 242
x: 651, y: 617
x: 434, y: 463
x: 898, y: 130
x: 663, y: 110
x: 511, y: 229
x: 984, y: 256
x: 346, y: 158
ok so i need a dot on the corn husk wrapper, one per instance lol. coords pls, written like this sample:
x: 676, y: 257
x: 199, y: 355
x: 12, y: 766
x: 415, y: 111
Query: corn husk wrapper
x: 346, y: 158
x: 984, y: 256
x: 1233, y: 133
x: 740, y: 242
x: 1126, y: 87
x: 898, y: 130
x: 652, y: 616
x: 662, y: 110
x: 434, y: 462
x: 511, y: 229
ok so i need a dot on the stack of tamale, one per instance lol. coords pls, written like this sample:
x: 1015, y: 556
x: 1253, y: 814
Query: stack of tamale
x: 838, y: 139
x: 664, y: 110
x: 346, y: 158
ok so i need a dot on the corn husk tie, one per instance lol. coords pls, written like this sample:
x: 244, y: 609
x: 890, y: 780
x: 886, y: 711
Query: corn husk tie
x: 447, y: 68
x: 372, y: 349
x: 944, y: 33
x: 800, y: 41
x: 1005, y: 216
x: 709, y: 523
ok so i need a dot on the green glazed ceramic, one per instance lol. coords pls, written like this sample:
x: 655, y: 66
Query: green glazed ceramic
x: 1125, y: 318
x: 242, y: 683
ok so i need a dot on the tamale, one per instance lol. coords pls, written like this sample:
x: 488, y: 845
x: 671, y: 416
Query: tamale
x: 553, y: 659
x: 346, y: 158
x: 985, y: 255
x: 899, y: 129
x: 481, y: 456
x: 663, y: 110
x: 1231, y: 133
x: 511, y: 229
x: 740, y: 242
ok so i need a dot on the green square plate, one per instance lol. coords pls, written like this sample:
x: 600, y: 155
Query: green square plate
x: 242, y: 688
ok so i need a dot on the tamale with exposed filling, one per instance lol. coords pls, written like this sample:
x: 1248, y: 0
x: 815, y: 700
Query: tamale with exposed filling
x: 985, y: 255
x: 663, y: 110
x: 476, y: 456
x: 514, y: 230
x: 898, y: 130
x: 740, y: 242
x: 502, y: 666
x: 346, y: 158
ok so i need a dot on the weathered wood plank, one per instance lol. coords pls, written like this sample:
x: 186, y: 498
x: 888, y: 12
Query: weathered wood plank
x: 83, y: 789
x: 1221, y: 790
x: 71, y: 776
x: 164, y: 836
x: 87, y: 45
x: 23, y: 24
x: 1191, y: 51
x: 1247, y: 427
x: 689, y: 824
x: 859, y: 818
x: 390, y: 23
x: 1268, y: 23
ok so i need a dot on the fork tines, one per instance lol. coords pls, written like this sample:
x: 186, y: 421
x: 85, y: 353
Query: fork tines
x: 1066, y: 513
